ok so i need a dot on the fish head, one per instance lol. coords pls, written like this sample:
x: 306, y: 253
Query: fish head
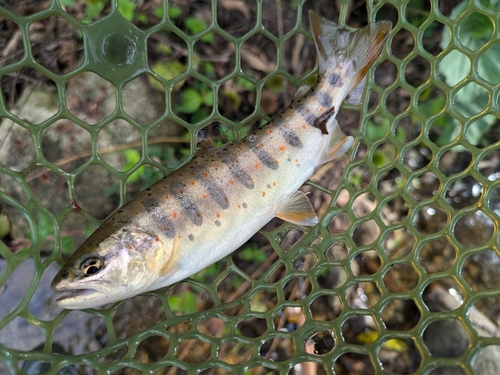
x: 110, y: 267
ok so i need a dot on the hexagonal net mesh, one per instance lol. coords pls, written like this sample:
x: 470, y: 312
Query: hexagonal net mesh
x: 400, y: 276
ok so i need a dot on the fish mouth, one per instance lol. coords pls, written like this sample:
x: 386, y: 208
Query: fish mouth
x: 84, y: 298
x: 71, y: 294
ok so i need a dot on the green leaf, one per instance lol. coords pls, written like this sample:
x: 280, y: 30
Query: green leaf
x: 133, y: 156
x: 67, y: 244
x: 158, y: 12
x: 377, y: 130
x: 173, y: 12
x: 164, y: 49
x: 92, y: 10
x: 234, y: 98
x: 67, y: 2
x: 195, y: 25
x: 190, y: 102
x: 4, y: 225
x: 380, y: 159
x: 95, y: 2
x: 450, y: 128
x: 200, y: 115
x: 246, y: 84
x: 167, y: 70
x: 44, y: 226
x: 252, y: 254
x: 275, y: 84
x: 183, y: 304
x: 208, y: 98
x: 488, y: 65
x: 455, y: 66
x: 209, y: 38
x: 126, y: 8
x: 208, y: 68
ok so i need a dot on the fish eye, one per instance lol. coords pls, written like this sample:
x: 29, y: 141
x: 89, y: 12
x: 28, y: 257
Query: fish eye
x: 91, y: 266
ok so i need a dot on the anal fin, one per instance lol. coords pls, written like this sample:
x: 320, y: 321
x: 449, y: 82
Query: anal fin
x: 298, y: 210
x: 338, y: 144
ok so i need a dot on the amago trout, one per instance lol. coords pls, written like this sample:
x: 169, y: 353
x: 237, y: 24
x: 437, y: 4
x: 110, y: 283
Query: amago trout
x: 213, y: 204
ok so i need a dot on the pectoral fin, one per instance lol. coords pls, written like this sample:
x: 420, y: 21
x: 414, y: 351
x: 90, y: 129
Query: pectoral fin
x: 170, y: 260
x: 298, y: 210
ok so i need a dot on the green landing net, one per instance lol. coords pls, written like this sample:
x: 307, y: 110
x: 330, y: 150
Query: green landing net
x: 400, y: 276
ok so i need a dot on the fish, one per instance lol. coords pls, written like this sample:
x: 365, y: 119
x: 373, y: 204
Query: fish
x: 213, y: 204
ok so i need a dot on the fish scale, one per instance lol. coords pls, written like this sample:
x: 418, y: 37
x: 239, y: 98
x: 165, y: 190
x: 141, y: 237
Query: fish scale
x: 213, y: 204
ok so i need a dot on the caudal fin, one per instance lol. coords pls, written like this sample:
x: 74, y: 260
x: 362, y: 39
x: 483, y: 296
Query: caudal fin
x: 337, y: 46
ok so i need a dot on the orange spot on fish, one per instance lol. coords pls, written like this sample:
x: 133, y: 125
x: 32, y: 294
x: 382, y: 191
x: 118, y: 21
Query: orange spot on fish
x: 303, y: 126
x: 205, y: 174
x: 321, y: 109
x: 274, y: 183
x: 257, y: 165
x: 204, y: 196
x: 164, y: 186
x: 231, y: 182
x: 141, y: 202
x: 175, y: 215
x: 167, y: 197
x: 217, y: 215
x: 156, y: 239
x: 259, y: 146
x: 129, y: 247
x: 270, y: 131
x: 263, y: 193
x: 136, y: 213
x: 276, y: 161
x: 225, y: 199
x: 239, y: 206
x: 216, y: 165
x: 296, y: 160
x: 240, y: 148
x: 192, y: 183
x: 282, y: 148
x: 181, y: 191
x: 164, y: 228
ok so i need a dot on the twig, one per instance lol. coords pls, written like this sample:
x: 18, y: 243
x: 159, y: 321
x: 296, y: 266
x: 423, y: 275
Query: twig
x: 69, y: 159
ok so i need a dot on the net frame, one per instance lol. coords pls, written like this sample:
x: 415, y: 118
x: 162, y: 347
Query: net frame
x: 13, y: 359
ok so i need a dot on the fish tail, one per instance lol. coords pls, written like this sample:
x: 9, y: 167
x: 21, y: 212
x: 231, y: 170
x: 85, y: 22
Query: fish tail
x: 348, y: 54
